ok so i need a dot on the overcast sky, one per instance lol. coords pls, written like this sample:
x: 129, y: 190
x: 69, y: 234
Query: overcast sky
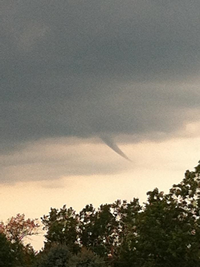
x: 81, y: 77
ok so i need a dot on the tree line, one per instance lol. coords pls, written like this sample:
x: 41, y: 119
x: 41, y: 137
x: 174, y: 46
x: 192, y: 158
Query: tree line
x: 164, y: 231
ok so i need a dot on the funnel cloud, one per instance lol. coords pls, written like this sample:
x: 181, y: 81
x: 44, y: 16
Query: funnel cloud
x: 110, y: 142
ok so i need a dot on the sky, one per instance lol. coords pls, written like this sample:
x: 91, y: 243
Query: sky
x: 99, y: 101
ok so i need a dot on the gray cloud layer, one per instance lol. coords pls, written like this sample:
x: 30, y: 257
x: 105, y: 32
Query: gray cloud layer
x: 86, y: 68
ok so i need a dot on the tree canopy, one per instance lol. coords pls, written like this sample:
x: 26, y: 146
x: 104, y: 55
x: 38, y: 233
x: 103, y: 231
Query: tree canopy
x: 164, y: 231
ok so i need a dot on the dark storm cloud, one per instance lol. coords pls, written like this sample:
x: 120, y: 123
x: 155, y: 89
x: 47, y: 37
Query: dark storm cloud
x: 86, y: 68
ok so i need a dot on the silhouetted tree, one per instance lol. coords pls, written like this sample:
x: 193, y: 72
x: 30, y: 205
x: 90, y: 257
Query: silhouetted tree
x: 7, y: 255
x: 167, y: 231
x: 56, y: 256
x: 62, y: 228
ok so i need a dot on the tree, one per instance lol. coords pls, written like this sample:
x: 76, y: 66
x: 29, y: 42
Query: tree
x: 62, y: 228
x: 56, y: 256
x: 7, y: 255
x: 15, y: 230
x: 101, y: 231
x: 86, y: 258
x: 97, y: 229
x: 167, y: 232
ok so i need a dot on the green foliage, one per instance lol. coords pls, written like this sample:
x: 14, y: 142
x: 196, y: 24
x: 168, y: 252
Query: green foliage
x: 61, y: 226
x: 7, y: 256
x: 164, y: 232
x: 86, y: 258
x: 57, y: 256
x: 97, y: 229
x: 24, y: 255
x: 167, y: 232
